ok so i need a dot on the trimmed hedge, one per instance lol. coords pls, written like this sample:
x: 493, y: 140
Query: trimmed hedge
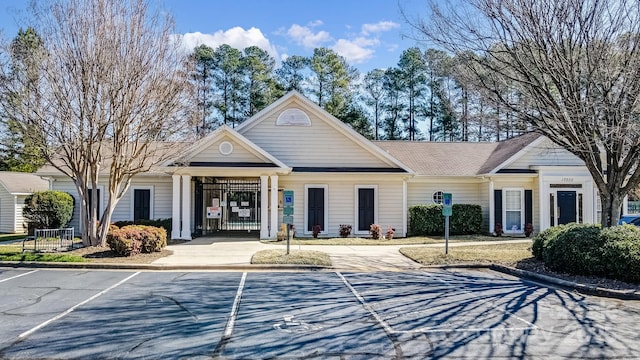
x: 135, y: 239
x: 542, y: 239
x: 428, y: 219
x: 576, y: 249
x: 162, y: 223
x: 48, y: 209
x: 589, y: 250
x: 621, y: 252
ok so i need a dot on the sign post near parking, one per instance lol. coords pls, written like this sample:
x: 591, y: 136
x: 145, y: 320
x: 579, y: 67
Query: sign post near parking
x: 287, y: 212
x: 447, y: 205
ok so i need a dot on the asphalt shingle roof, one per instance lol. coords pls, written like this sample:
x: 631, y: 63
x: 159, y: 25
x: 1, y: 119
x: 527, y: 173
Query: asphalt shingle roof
x: 455, y: 158
x: 22, y: 183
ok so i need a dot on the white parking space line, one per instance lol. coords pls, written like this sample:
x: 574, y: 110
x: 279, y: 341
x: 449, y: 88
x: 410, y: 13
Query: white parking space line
x: 367, y: 307
x: 228, y: 330
x: 17, y: 276
x: 531, y: 326
x: 68, y: 311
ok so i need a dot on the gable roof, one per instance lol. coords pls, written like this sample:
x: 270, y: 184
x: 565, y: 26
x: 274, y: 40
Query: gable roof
x: 440, y: 158
x: 353, y: 136
x: 457, y: 158
x: 508, y: 150
x: 219, y: 134
x: 19, y: 183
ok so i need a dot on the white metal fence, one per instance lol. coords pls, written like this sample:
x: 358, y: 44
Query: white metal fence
x: 51, y: 240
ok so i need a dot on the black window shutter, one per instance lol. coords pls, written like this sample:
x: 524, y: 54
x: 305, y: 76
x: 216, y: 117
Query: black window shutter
x: 497, y: 205
x: 528, y: 207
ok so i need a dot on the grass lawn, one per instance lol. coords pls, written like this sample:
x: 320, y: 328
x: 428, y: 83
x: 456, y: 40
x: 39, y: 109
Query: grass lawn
x: 506, y: 254
x: 295, y: 257
x: 395, y: 241
x: 14, y: 253
x: 10, y: 237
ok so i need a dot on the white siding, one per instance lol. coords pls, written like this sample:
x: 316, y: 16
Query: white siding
x: 161, y: 198
x: 341, y: 192
x: 420, y: 192
x: 318, y: 145
x: 21, y: 225
x: 7, y: 211
x: 545, y: 154
x: 239, y: 154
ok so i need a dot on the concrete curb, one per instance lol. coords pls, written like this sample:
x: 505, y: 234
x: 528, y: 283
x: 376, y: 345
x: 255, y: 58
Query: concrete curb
x: 581, y: 288
x: 156, y: 267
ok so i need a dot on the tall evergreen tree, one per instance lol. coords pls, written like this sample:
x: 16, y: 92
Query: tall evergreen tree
x: 291, y: 74
x: 374, y: 91
x: 261, y: 87
x: 19, y: 145
x: 413, y: 67
x: 228, y: 82
x: 333, y: 80
x: 203, y: 58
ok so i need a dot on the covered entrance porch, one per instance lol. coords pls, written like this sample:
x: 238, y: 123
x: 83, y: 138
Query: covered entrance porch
x: 225, y: 205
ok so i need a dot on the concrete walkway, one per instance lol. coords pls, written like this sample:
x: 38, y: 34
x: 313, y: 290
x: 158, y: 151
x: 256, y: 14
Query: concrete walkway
x: 216, y: 251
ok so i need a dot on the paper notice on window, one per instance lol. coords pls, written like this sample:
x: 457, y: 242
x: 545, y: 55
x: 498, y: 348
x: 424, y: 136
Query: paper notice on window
x: 244, y: 203
x: 215, y: 202
x: 235, y: 209
x: 244, y: 213
x: 233, y: 203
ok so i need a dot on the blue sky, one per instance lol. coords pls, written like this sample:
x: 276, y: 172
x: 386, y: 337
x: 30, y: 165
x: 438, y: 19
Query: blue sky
x: 368, y: 33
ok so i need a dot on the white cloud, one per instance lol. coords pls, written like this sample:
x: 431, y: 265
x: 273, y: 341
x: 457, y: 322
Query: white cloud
x: 315, y: 23
x: 236, y: 37
x: 378, y: 27
x: 355, y: 51
x: 303, y: 35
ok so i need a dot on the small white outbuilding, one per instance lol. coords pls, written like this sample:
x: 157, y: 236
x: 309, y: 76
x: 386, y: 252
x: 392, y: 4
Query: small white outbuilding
x: 14, y: 188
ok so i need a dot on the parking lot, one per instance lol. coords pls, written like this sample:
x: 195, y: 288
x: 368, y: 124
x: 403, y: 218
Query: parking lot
x: 64, y: 314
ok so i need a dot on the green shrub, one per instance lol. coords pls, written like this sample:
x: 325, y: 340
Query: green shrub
x: 163, y: 223
x: 428, y: 219
x: 576, y: 249
x: 133, y: 239
x: 48, y: 209
x: 621, y: 252
x: 543, y: 238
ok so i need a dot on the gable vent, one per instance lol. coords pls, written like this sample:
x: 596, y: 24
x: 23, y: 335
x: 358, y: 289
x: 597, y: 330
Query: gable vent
x: 293, y: 117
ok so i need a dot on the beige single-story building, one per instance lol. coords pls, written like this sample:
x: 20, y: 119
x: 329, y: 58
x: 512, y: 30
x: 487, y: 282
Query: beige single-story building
x: 14, y: 188
x: 235, y: 180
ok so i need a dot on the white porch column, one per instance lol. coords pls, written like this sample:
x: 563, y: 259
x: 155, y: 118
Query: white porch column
x: 185, y: 233
x: 492, y: 208
x: 274, y: 207
x: 404, y: 208
x: 264, y: 207
x: 625, y: 205
x: 175, y: 211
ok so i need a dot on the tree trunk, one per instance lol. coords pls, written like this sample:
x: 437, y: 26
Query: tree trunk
x: 611, y: 209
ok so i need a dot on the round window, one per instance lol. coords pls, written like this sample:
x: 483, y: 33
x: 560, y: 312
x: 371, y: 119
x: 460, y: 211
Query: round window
x: 437, y: 197
x: 225, y: 148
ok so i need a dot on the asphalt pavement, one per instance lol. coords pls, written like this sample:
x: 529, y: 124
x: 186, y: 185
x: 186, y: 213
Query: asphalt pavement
x: 463, y: 313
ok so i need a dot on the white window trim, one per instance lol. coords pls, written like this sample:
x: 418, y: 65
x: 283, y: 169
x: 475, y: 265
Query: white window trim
x: 504, y: 211
x: 326, y: 207
x: 151, y: 200
x: 355, y: 207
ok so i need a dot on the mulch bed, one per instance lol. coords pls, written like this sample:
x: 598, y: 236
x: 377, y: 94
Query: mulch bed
x: 536, y: 266
x: 99, y: 254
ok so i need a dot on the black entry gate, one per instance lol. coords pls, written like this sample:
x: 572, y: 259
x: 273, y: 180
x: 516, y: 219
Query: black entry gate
x: 226, y: 204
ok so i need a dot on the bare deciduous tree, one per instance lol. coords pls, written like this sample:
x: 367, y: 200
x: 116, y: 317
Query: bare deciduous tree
x: 575, y: 67
x: 112, y: 94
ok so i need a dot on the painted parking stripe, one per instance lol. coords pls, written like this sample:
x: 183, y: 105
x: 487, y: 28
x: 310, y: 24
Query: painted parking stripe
x: 531, y: 326
x: 68, y: 311
x: 373, y: 313
x: 17, y: 276
x: 228, y: 330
